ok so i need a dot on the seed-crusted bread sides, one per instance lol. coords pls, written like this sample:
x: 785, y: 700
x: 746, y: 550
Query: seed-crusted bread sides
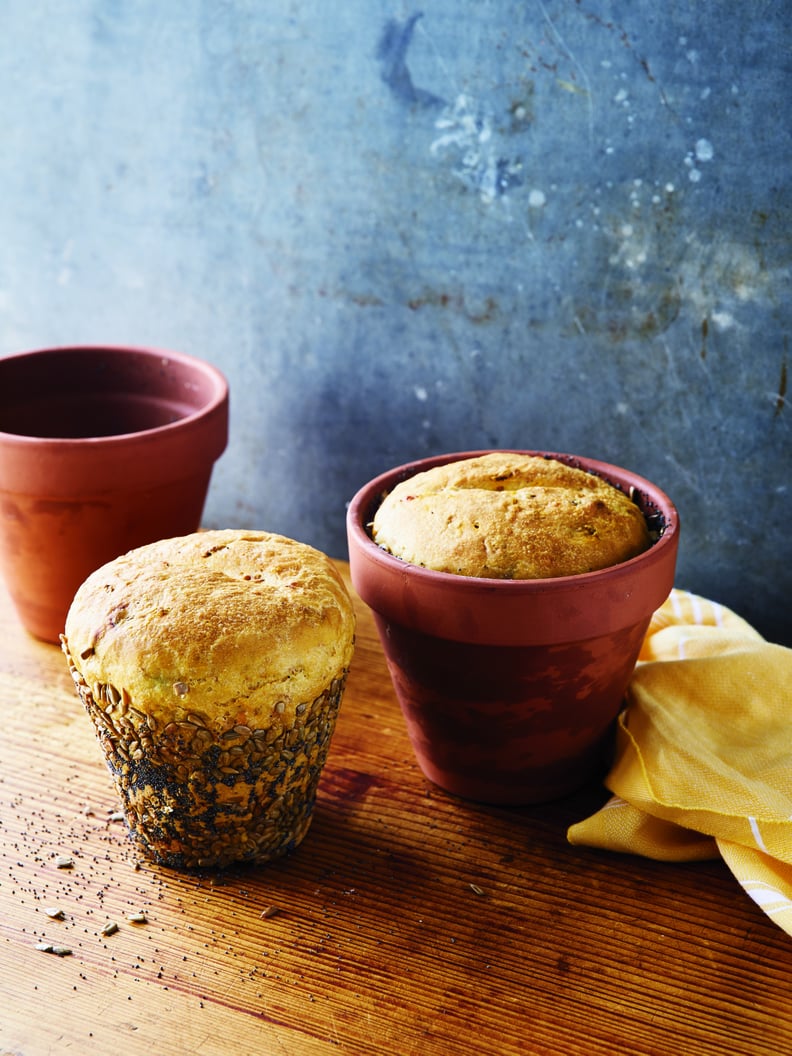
x: 509, y: 516
x: 213, y: 666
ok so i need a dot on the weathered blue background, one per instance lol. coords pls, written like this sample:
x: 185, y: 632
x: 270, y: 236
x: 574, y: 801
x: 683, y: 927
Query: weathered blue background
x: 401, y: 231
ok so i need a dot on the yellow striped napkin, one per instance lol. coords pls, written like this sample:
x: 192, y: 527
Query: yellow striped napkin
x: 703, y: 761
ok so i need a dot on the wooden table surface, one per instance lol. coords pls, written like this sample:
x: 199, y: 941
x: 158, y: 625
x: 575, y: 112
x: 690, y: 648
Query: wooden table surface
x: 408, y: 922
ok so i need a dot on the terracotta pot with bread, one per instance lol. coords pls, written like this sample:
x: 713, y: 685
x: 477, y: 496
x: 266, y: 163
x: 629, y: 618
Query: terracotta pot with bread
x: 511, y: 591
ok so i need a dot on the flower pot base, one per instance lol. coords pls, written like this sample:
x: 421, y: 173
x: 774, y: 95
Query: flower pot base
x: 510, y: 725
x: 521, y: 789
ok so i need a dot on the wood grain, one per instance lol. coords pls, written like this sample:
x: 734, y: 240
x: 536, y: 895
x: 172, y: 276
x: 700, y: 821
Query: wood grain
x: 408, y: 922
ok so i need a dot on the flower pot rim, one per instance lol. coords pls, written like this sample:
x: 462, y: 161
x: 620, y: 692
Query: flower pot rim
x: 515, y: 611
x: 207, y: 371
x: 374, y: 491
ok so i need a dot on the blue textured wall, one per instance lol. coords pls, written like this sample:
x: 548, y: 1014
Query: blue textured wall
x: 401, y: 231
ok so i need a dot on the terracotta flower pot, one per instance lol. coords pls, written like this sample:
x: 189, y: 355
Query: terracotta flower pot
x: 101, y: 450
x: 510, y: 688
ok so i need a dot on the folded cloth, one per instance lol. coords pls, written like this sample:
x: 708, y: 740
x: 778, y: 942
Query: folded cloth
x: 703, y: 763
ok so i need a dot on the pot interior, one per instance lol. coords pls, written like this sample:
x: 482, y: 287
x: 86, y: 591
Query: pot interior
x: 81, y: 393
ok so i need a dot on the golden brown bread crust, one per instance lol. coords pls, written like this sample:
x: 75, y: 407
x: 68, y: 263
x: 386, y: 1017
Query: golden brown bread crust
x: 213, y: 667
x: 225, y: 624
x: 509, y: 516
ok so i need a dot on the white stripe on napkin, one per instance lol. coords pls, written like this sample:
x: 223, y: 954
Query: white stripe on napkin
x: 757, y: 834
x: 766, y: 896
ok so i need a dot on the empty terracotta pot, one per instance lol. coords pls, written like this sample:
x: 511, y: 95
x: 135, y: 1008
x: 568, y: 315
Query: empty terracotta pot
x: 510, y: 688
x: 102, y: 449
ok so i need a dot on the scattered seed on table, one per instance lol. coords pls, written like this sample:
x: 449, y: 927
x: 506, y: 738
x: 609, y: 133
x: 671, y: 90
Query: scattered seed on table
x: 110, y: 928
x: 59, y: 951
x: 270, y: 911
x: 64, y: 862
x: 117, y: 815
x: 476, y: 889
x: 138, y: 918
x: 55, y: 912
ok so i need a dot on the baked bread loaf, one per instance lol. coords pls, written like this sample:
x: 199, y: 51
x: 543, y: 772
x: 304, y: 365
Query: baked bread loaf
x: 213, y: 667
x: 510, y: 516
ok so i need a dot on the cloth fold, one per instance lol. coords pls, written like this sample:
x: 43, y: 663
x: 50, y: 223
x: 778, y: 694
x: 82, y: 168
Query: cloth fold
x: 703, y: 762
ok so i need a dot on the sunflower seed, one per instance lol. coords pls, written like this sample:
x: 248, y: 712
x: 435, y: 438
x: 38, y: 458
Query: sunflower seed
x: 59, y: 951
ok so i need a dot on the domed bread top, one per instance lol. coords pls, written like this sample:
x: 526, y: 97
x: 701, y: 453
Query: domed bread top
x: 231, y: 626
x: 510, y: 516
